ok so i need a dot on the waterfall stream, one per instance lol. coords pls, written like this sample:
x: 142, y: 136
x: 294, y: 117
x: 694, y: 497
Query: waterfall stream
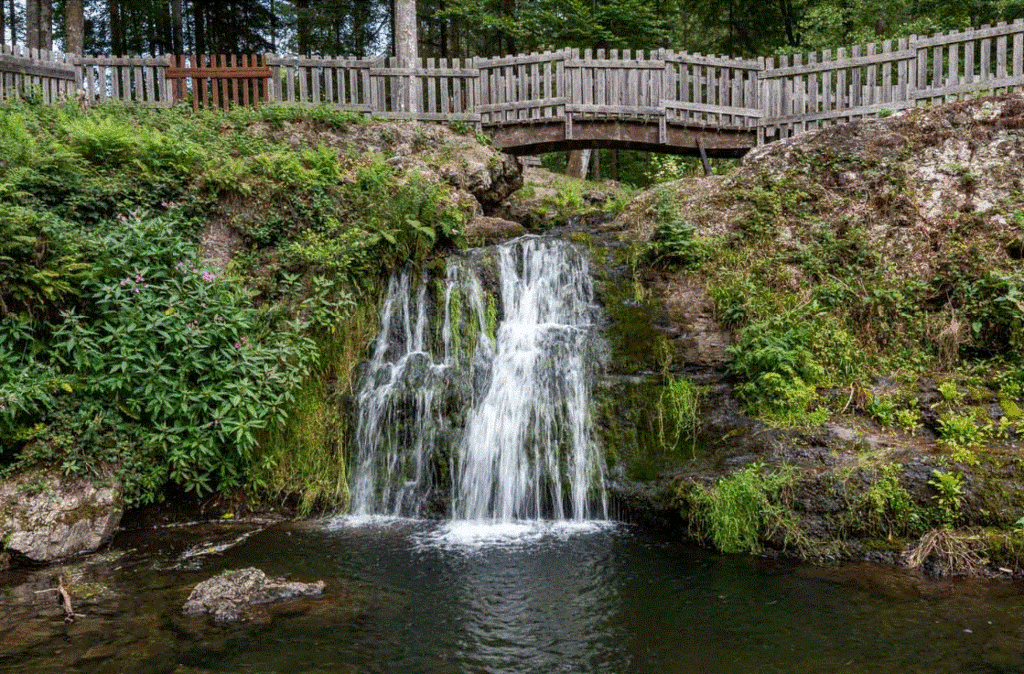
x: 497, y: 415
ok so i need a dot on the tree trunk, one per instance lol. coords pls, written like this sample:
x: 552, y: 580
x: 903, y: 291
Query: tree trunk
x: 177, y: 32
x: 14, y: 23
x: 32, y: 24
x: 407, y: 48
x: 200, y: 29
x: 302, y: 25
x: 116, y: 43
x: 74, y: 27
x: 273, y: 25
x: 46, y: 25
x: 406, y: 42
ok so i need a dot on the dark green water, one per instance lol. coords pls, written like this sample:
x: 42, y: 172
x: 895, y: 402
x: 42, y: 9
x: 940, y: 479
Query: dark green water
x: 413, y: 597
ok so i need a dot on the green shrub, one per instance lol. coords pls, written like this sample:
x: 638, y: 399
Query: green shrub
x: 949, y: 488
x: 167, y: 364
x: 779, y: 371
x: 886, y: 508
x: 960, y: 431
x: 738, y: 512
x: 679, y: 415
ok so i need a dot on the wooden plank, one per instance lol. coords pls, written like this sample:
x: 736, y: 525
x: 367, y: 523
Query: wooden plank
x: 990, y: 84
x: 301, y: 61
x: 126, y: 85
x: 711, y: 109
x: 149, y: 85
x: 937, y: 63
x: 922, y: 69
x: 986, y: 59
x: 875, y: 59
x: 842, y: 95
x: 863, y: 111
x: 427, y: 71
x: 611, y: 64
x: 902, y: 87
x: 623, y: 110
x: 1001, y: 69
x: 427, y: 116
x: 706, y: 60
x: 315, y: 73
x: 226, y: 72
x: 977, y: 33
x: 15, y: 65
x: 106, y: 61
x: 1018, y: 50
x: 215, y: 84
x: 304, y: 74
x: 432, y: 104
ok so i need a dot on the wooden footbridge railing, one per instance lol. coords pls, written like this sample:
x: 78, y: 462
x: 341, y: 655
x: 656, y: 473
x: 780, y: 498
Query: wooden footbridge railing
x: 660, y: 100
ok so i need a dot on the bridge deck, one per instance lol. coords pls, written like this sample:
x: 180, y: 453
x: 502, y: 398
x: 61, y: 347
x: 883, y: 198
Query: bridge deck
x: 662, y: 101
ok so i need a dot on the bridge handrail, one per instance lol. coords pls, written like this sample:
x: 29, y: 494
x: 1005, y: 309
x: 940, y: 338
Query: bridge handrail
x: 773, y: 97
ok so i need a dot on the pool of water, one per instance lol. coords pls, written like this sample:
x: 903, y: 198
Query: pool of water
x: 406, y: 596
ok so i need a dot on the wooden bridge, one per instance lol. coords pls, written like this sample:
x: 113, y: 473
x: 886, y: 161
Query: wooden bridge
x: 661, y: 101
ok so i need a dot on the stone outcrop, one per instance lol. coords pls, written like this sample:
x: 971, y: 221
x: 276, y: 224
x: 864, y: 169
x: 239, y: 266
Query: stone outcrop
x: 475, y: 170
x: 45, y: 517
x: 230, y: 596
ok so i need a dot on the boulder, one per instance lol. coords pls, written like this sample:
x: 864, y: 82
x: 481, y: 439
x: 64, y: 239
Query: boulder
x: 483, y: 230
x: 45, y: 517
x: 229, y: 596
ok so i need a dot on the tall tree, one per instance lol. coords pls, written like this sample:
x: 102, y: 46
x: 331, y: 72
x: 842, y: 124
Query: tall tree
x: 13, y: 22
x: 177, y: 31
x: 74, y: 27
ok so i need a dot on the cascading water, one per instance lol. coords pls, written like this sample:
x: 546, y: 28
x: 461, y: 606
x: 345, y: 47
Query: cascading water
x: 529, y: 449
x: 400, y: 420
x: 504, y: 424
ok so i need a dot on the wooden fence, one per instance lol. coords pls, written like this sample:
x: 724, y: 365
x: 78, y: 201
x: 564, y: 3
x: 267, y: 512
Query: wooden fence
x: 804, y: 92
x: 25, y: 72
x: 775, y: 97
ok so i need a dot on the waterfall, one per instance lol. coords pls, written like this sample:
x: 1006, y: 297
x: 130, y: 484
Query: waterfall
x: 400, y: 421
x: 509, y: 419
x: 528, y: 448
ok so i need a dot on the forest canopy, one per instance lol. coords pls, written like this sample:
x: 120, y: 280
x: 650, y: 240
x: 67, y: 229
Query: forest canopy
x: 465, y: 28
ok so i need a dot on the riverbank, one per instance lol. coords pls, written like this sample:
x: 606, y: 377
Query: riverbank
x: 816, y: 355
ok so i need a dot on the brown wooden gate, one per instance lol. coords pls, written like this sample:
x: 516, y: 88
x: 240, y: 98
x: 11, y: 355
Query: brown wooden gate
x: 220, y: 81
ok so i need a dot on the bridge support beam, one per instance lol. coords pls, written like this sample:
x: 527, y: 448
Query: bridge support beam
x: 649, y: 136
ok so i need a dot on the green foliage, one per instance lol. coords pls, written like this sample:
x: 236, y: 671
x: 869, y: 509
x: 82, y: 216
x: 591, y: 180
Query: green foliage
x: 738, y: 512
x: 950, y: 392
x: 779, y: 371
x: 886, y: 508
x: 949, y: 488
x: 40, y: 262
x: 182, y: 354
x: 961, y: 434
x: 122, y: 355
x: 679, y: 415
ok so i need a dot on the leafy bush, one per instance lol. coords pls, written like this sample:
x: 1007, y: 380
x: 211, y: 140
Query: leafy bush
x: 949, y: 488
x: 679, y: 414
x: 739, y: 511
x: 886, y: 508
x: 169, y: 365
x: 779, y: 371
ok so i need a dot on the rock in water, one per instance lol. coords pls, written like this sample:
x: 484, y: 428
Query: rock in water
x: 45, y: 517
x: 227, y: 596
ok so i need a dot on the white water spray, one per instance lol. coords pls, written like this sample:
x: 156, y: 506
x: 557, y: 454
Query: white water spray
x: 527, y: 448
